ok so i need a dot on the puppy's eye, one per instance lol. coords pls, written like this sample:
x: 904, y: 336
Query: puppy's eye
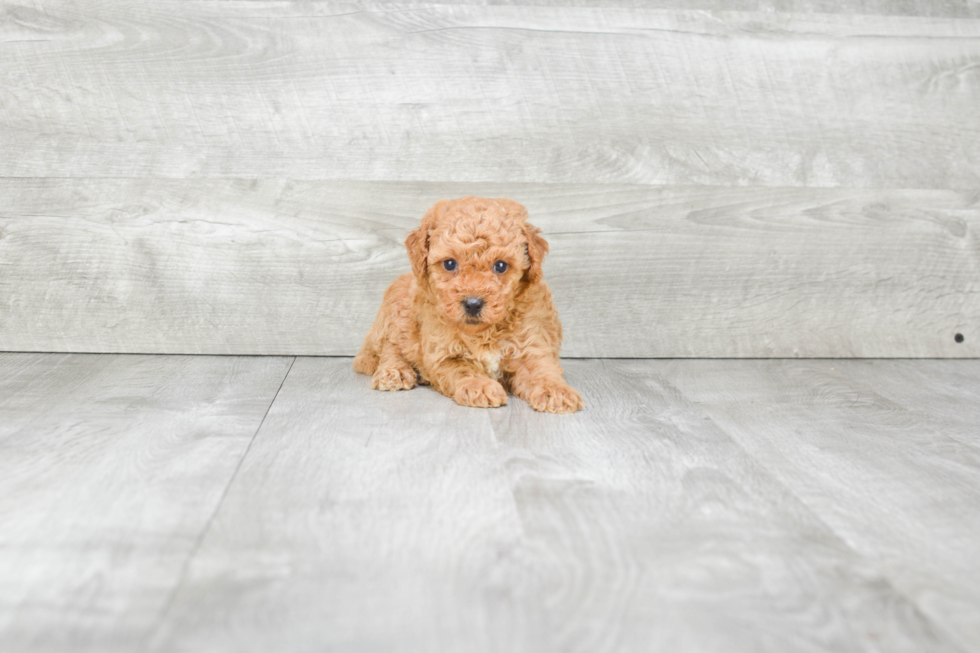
x: 500, y: 267
x: 449, y: 264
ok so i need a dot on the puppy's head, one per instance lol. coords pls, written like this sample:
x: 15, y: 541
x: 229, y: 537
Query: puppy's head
x: 474, y: 255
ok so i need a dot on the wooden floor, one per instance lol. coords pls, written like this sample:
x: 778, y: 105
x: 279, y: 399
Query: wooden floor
x: 182, y: 503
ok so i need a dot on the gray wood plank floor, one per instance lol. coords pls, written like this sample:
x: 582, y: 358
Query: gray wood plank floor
x: 110, y: 468
x: 169, y: 503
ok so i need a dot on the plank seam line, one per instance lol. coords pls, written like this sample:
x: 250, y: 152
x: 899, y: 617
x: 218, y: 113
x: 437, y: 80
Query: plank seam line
x: 168, y: 606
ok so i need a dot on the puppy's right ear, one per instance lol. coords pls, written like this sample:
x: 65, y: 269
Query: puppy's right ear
x: 536, y: 248
x: 417, y: 242
x: 417, y: 245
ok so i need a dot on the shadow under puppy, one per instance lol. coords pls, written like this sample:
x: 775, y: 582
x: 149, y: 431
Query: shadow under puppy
x: 474, y: 319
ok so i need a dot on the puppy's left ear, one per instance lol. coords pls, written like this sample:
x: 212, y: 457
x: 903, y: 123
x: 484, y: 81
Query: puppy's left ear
x: 417, y: 242
x: 537, y: 247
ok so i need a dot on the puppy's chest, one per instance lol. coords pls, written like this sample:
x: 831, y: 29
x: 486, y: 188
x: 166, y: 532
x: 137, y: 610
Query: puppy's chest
x: 492, y: 359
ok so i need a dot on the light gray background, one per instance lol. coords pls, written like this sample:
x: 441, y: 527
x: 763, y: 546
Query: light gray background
x: 784, y: 179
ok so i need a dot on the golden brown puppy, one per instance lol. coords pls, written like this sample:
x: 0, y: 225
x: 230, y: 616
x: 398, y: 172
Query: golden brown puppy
x: 474, y: 319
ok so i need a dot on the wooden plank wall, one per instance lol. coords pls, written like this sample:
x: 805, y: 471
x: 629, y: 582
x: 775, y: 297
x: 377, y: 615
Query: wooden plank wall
x: 778, y: 179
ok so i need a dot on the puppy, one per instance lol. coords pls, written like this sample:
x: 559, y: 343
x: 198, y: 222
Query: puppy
x: 473, y: 319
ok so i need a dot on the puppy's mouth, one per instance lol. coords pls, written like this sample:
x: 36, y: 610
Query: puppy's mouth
x: 469, y: 319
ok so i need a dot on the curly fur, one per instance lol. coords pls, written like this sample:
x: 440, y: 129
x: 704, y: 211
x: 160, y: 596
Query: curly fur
x: 423, y: 334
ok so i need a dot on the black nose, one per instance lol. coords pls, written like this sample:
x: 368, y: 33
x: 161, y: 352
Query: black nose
x: 473, y: 305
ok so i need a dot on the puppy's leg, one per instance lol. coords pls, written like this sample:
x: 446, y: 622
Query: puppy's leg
x: 466, y: 384
x: 393, y: 371
x: 539, y: 382
x: 390, y: 325
x: 366, y: 361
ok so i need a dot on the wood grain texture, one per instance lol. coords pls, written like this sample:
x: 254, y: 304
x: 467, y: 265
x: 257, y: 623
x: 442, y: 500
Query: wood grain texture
x: 694, y: 506
x: 299, y: 267
x: 532, y: 94
x: 365, y: 521
x: 110, y: 468
x: 885, y: 452
x: 934, y: 8
x: 362, y: 521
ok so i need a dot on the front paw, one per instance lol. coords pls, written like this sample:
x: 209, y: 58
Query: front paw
x: 555, y: 399
x: 401, y: 377
x: 480, y: 392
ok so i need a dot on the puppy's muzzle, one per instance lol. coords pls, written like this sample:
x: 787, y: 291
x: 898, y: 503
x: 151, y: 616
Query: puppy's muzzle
x: 473, y: 306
